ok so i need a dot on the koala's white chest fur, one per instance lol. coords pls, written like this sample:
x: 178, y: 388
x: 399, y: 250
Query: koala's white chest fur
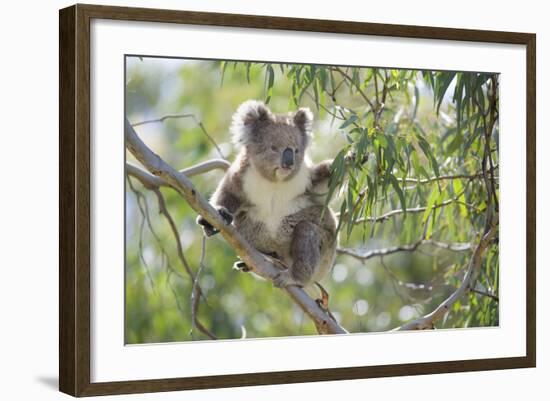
x: 273, y: 201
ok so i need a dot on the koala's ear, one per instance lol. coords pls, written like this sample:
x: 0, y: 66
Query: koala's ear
x: 303, y: 119
x: 246, y: 118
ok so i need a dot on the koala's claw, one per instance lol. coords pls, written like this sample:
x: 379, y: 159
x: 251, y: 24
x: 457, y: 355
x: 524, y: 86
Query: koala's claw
x: 241, y: 266
x: 323, y: 301
x: 226, y: 215
x: 208, y: 228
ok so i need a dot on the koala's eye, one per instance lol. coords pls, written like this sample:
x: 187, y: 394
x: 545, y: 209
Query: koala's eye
x: 297, y: 151
x: 274, y: 148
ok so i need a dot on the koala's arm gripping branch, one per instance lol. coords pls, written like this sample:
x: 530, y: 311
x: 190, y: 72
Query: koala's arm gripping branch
x: 321, y: 172
x: 255, y: 260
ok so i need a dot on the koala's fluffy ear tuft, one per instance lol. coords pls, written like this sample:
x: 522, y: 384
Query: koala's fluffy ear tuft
x: 303, y: 119
x: 246, y: 118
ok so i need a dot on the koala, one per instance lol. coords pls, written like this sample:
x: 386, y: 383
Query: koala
x: 275, y: 196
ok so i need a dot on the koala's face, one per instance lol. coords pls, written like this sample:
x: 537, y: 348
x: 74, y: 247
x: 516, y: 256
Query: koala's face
x: 277, y: 151
x: 275, y: 144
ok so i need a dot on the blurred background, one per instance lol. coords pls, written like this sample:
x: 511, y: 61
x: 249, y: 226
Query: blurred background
x: 418, y: 127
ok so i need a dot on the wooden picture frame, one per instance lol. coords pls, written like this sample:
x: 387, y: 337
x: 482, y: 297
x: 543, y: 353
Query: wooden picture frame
x: 75, y: 200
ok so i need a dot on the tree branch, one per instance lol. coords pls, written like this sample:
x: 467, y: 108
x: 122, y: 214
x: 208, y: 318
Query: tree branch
x: 428, y: 321
x: 456, y: 247
x: 259, y: 263
x: 192, y: 116
x: 485, y: 294
x: 150, y: 181
x: 357, y: 87
x: 396, y: 212
x: 162, y: 119
x: 196, y: 295
x: 410, y: 180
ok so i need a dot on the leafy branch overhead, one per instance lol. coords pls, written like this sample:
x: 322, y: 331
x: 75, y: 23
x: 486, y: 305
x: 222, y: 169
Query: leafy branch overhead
x: 418, y: 199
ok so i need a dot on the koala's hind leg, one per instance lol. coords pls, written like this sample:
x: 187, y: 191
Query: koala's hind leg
x: 305, y: 251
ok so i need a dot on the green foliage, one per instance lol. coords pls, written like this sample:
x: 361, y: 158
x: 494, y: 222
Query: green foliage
x: 395, y: 136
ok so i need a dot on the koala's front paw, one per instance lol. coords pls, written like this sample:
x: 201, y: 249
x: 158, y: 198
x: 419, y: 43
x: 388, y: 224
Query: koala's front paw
x: 241, y: 266
x: 351, y: 156
x: 226, y: 215
x: 208, y: 229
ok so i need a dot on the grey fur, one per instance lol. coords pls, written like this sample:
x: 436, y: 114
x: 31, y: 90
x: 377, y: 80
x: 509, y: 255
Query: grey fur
x: 298, y: 233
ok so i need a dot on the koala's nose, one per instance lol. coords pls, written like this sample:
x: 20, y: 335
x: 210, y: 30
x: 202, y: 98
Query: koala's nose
x: 288, y: 158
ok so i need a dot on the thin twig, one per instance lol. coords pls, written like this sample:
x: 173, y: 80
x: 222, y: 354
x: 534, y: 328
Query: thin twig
x: 392, y: 213
x: 192, y: 116
x: 411, y: 180
x: 196, y: 289
x: 196, y: 295
x: 330, y: 112
x: 357, y: 87
x: 142, y: 207
x: 485, y: 294
x: 455, y: 247
x: 396, y: 283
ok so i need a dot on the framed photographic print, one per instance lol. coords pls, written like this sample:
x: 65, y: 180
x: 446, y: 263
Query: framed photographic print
x: 250, y: 200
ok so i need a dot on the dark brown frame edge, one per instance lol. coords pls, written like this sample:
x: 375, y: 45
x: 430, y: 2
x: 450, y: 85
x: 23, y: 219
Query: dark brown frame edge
x: 74, y: 199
